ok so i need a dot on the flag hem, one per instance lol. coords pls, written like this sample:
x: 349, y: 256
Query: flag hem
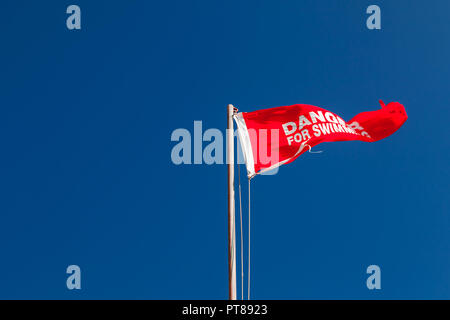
x: 246, y: 145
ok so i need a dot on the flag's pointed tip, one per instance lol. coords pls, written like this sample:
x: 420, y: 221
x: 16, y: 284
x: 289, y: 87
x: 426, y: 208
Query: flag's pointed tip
x: 382, y: 104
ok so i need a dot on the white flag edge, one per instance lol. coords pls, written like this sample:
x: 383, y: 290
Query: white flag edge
x: 246, y: 145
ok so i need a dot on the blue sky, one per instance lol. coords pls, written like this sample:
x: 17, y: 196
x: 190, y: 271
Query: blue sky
x: 86, y: 173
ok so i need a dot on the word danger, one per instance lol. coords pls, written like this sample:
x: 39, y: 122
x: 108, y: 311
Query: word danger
x: 321, y: 124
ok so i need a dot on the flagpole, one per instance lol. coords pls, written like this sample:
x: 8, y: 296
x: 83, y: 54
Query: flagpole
x: 231, y: 215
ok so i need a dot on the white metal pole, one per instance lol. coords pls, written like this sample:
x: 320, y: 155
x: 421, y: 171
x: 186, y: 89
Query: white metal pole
x: 231, y: 212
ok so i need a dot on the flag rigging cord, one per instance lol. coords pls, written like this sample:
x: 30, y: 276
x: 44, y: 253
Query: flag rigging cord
x: 242, y: 242
x: 242, y: 237
x: 249, y: 238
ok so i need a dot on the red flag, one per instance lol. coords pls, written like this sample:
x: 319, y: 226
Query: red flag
x: 276, y: 136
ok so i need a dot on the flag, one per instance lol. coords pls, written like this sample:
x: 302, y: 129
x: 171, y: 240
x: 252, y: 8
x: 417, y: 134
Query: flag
x: 276, y: 136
